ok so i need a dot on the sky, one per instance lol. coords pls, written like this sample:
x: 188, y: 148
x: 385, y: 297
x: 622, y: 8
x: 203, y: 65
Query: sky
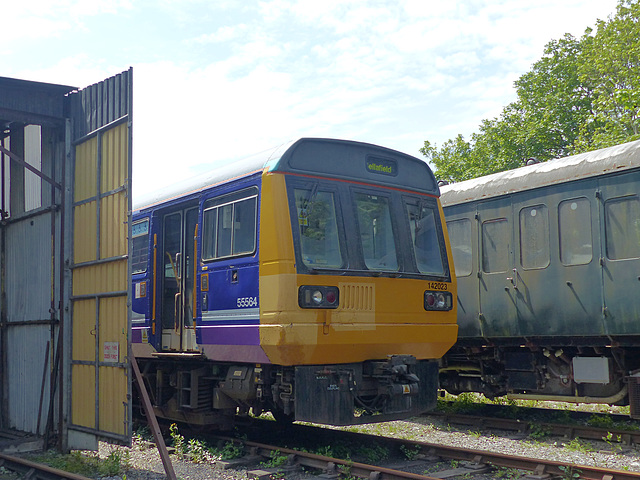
x: 219, y: 80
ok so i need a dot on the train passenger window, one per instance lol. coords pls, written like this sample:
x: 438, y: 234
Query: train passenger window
x: 229, y: 225
x: 140, y: 247
x: 376, y: 232
x: 574, y: 227
x: 317, y: 221
x: 424, y: 237
x: 244, y: 226
x: 534, y: 237
x: 223, y: 238
x: 209, y: 221
x: 622, y: 227
x: 495, y: 245
x: 460, y: 238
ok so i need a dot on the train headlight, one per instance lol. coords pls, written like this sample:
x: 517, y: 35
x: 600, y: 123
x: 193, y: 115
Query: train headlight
x: 438, y: 301
x: 317, y: 297
x: 311, y: 296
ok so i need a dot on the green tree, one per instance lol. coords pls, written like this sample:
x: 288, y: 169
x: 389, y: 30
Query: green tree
x: 582, y: 94
x: 610, y: 66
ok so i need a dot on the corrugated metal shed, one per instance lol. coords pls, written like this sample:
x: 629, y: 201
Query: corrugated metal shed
x: 45, y: 128
x: 98, y: 369
x: 29, y: 325
x: 33, y: 102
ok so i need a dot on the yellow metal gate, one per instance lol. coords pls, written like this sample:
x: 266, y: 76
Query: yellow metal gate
x: 99, y: 370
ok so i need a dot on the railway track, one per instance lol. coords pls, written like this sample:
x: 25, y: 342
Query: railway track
x: 618, y: 428
x: 587, y: 432
x: 31, y: 470
x: 436, y: 459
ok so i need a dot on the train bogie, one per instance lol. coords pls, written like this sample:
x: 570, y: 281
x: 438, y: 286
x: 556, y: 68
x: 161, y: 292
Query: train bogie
x: 547, y: 259
x: 313, y: 283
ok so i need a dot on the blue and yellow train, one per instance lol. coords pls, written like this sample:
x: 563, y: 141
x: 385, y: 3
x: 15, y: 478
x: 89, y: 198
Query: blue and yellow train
x: 313, y: 281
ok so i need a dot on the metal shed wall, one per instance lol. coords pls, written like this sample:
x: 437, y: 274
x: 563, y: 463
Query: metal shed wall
x: 57, y: 301
x: 29, y: 321
x: 31, y: 155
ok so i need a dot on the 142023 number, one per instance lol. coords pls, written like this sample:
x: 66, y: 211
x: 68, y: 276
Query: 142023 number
x: 244, y: 302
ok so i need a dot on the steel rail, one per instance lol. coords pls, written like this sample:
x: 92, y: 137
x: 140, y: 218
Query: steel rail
x: 536, y: 465
x: 539, y: 467
x: 328, y: 464
x: 33, y: 470
x: 628, y: 437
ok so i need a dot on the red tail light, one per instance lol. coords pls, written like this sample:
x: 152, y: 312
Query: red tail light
x: 438, y: 301
x: 310, y: 296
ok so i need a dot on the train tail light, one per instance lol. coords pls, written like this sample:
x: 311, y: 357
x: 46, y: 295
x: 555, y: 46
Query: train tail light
x: 438, y: 301
x: 310, y: 296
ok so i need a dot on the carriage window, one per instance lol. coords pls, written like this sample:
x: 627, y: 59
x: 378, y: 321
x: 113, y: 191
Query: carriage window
x: 534, y: 237
x: 424, y: 237
x: 574, y: 224
x: 319, y: 242
x: 376, y: 232
x: 209, y: 220
x: 140, y: 247
x: 495, y: 246
x: 460, y: 238
x: 622, y: 228
x: 229, y: 225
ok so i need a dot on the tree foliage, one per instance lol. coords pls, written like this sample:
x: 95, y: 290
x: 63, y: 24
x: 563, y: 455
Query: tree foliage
x: 581, y: 95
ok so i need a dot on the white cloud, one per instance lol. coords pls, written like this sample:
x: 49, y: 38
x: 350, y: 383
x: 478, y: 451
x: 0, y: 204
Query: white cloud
x: 223, y: 34
x: 218, y: 80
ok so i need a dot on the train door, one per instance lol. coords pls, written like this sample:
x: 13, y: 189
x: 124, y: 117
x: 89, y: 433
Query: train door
x: 577, y: 279
x: 534, y: 271
x: 497, y: 279
x: 621, y: 252
x: 463, y: 235
x: 178, y: 266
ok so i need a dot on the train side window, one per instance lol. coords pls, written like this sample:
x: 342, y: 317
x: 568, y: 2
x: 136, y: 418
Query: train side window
x: 317, y: 221
x: 495, y: 245
x: 424, y: 237
x: 534, y: 237
x: 574, y: 227
x: 225, y: 227
x: 229, y: 225
x: 210, y: 221
x: 460, y: 238
x: 244, y: 226
x: 376, y: 232
x: 140, y: 247
x: 622, y: 227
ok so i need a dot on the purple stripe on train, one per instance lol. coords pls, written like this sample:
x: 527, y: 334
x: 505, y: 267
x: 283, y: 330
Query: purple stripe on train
x: 136, y: 334
x: 230, y: 335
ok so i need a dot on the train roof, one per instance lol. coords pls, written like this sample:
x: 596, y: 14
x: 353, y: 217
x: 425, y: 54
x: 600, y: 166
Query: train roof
x: 343, y: 159
x: 598, y: 162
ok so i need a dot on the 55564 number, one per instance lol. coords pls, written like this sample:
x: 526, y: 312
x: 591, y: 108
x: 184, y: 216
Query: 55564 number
x: 244, y: 302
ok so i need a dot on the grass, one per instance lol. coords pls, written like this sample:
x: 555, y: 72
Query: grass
x: 88, y: 464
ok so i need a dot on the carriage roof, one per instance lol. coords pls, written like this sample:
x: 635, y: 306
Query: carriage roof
x: 332, y: 158
x: 566, y: 169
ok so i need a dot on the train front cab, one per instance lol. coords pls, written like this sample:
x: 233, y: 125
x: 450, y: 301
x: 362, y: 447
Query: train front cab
x: 339, y: 309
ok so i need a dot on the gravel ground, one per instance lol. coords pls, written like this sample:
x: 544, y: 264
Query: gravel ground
x: 146, y: 464
x: 579, y: 452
